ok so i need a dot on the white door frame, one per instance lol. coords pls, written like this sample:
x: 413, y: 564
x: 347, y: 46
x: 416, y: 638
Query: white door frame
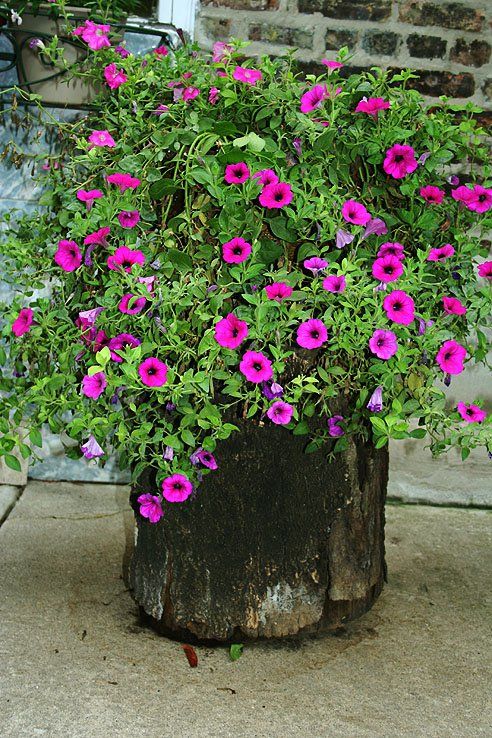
x: 181, y: 13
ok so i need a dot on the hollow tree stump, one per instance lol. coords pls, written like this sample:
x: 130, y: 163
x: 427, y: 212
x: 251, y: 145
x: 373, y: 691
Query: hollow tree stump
x: 275, y: 542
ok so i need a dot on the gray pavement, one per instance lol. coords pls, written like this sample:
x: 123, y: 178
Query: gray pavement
x: 75, y: 663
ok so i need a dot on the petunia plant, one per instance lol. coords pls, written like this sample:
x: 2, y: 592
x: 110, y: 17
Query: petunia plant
x: 223, y: 242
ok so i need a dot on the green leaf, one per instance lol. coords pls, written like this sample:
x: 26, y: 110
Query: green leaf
x: 418, y: 433
x: 12, y: 462
x: 181, y: 261
x: 270, y: 251
x: 236, y: 651
x: 36, y: 438
x: 279, y: 228
x: 165, y: 186
x: 252, y: 141
x: 188, y: 437
x: 301, y: 429
x: 103, y: 356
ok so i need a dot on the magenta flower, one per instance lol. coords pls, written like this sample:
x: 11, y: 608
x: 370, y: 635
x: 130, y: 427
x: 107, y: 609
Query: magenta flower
x: 441, y: 254
x: 266, y: 177
x: 190, y: 93
x: 372, y: 106
x: 94, y: 34
x: 236, y: 173
x: 399, y: 307
x: 387, y: 269
x: 450, y: 357
x: 101, y: 138
x: 313, y: 98
x: 161, y: 51
x: 176, y: 488
x: 125, y: 258
x: 98, y: 238
x: 280, y: 412
x: 88, y: 196
x: 278, y: 291
x: 256, y: 367
x: 89, y: 317
x: 375, y: 404
x: 400, y: 161
x: 114, y: 77
x: 485, y: 270
x: 131, y: 305
x: 462, y: 194
x: 205, y: 458
x: 383, y: 344
x: 343, y: 238
x: 213, y: 95
x: 331, y: 64
x: 236, y: 251
x: 22, y: 324
x: 375, y: 226
x: 121, y: 342
x: 315, y: 265
x: 124, y: 53
x: 432, y: 194
x: 471, y: 413
x: 276, y: 195
x: 354, y: 212
x: 91, y: 449
x: 335, y: 430
x: 334, y: 283
x: 161, y: 110
x: 481, y: 199
x: 230, y: 332
x: 93, y: 386
x: 153, y: 372
x: 128, y: 218
x: 221, y: 52
x: 123, y: 181
x: 68, y: 256
x: 311, y: 334
x: 392, y: 248
x: 150, y: 507
x: 249, y: 76
x: 453, y: 306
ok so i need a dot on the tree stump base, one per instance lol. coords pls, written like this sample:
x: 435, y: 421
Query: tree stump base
x: 274, y: 543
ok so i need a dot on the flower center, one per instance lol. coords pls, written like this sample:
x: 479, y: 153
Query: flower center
x: 398, y: 158
x: 278, y: 197
x: 237, y: 250
x: 257, y: 366
x: 314, y: 334
x: 235, y: 332
x: 397, y: 306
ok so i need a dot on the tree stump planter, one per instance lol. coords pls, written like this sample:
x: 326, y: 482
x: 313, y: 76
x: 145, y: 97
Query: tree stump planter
x: 274, y: 543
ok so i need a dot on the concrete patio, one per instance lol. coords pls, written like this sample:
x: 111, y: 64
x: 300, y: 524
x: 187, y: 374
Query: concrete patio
x: 76, y: 663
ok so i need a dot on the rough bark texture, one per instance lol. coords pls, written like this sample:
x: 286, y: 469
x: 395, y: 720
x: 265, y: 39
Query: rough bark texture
x: 275, y: 542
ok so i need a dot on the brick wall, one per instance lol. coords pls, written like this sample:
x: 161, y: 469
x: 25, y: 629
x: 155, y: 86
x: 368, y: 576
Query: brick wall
x: 445, y: 41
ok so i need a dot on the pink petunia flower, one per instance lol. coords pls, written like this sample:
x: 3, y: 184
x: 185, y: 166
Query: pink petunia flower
x: 236, y: 250
x: 334, y: 283
x: 230, y: 332
x: 98, y: 238
x: 432, y: 194
x: 114, y: 77
x: 383, y: 344
x: 278, y: 291
x: 400, y: 161
x: 372, y: 106
x: 150, y: 507
x: 462, y: 194
x: 280, y: 412
x: 123, y: 181
x: 121, y: 342
x: 176, y: 488
x: 22, y: 324
x: 315, y: 265
x: 276, y: 195
x: 153, y: 372
x: 236, y: 173
x: 161, y: 110
x: 88, y: 196
x: 399, y: 307
x: 213, y: 95
x: 68, y: 256
x: 121, y: 51
x: 266, y: 177
x: 91, y: 449
x: 450, y: 357
x: 125, y: 258
x: 311, y: 334
x: 331, y: 64
x: 101, y: 139
x: 93, y: 386
x: 256, y: 367
x: 485, y: 270
x: 249, y: 76
x: 335, y: 430
x: 453, y: 306
x: 221, y: 52
x: 481, y: 199
x: 190, y: 93
x: 205, y: 458
x: 94, y: 34
x: 131, y: 304
x: 471, y: 413
x: 392, y: 248
x: 375, y: 226
x: 387, y: 269
x: 128, y: 218
x: 161, y: 51
x: 354, y: 212
x: 441, y: 254
x: 313, y: 98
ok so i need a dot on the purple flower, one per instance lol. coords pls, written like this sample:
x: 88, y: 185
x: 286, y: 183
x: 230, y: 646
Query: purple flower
x: 423, y: 325
x: 91, y: 449
x: 453, y: 180
x: 200, y: 456
x: 168, y: 454
x: 343, y: 238
x: 280, y: 412
x: 377, y: 226
x: 334, y: 428
x: 297, y: 144
x: 375, y: 404
x: 150, y: 507
x: 272, y: 390
x: 423, y: 157
x: 315, y: 265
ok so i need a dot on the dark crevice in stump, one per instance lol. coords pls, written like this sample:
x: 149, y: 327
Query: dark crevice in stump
x: 274, y: 543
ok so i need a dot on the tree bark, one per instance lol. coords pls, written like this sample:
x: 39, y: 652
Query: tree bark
x: 275, y: 542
